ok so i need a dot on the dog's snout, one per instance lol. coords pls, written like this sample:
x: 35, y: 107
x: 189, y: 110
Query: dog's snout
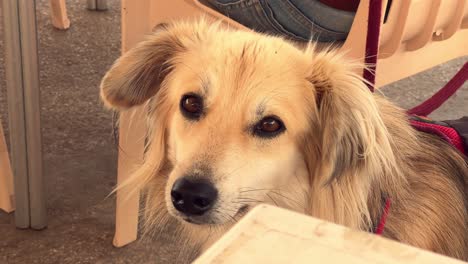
x: 193, y: 197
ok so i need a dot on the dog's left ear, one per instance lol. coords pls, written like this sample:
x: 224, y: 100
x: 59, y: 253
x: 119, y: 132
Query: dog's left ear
x: 349, y: 132
x: 139, y: 73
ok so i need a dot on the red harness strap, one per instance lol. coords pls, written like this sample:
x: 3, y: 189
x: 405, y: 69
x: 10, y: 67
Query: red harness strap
x: 443, y: 130
x: 383, y: 217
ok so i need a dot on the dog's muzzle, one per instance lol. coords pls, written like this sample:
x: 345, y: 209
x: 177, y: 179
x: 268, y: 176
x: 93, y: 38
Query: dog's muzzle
x: 193, y: 197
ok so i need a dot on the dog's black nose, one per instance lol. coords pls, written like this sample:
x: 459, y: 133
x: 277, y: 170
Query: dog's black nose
x: 193, y: 197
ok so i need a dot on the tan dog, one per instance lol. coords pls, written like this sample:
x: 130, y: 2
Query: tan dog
x: 237, y: 118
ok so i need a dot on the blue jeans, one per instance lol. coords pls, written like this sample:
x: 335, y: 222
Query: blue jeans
x: 301, y: 20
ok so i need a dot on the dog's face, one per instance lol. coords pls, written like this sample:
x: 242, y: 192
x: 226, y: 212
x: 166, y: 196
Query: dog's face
x: 239, y: 117
x: 234, y: 133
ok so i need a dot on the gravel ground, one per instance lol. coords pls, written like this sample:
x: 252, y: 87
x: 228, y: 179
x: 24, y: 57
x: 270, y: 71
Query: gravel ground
x: 79, y: 153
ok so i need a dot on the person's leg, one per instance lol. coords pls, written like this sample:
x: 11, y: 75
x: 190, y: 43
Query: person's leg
x: 301, y: 20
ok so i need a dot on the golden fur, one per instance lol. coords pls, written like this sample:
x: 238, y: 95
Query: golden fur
x: 344, y: 151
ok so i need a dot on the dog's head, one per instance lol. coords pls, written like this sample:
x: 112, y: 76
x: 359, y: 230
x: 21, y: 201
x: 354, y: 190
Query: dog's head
x: 240, y: 118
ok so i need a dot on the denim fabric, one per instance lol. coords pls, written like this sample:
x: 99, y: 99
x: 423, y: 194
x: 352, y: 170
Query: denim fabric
x: 301, y: 20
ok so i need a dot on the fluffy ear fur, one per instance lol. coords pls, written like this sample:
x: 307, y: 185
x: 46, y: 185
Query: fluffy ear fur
x: 349, y: 147
x: 138, y: 74
x: 350, y: 124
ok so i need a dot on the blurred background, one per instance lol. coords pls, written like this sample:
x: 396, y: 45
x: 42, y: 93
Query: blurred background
x: 80, y: 156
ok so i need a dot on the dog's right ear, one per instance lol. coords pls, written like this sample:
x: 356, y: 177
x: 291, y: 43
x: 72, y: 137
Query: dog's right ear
x: 138, y: 74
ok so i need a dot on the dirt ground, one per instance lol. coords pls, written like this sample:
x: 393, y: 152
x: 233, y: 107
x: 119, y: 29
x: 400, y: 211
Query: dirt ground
x: 79, y: 152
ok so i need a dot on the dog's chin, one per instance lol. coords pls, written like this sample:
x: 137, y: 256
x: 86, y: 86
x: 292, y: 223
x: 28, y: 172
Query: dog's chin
x: 210, y: 219
x: 198, y: 221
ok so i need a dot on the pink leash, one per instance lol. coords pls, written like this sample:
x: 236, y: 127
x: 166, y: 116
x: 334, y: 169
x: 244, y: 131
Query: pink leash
x: 372, y: 50
x: 372, y: 42
x: 426, y: 107
x: 431, y: 104
x: 383, y: 218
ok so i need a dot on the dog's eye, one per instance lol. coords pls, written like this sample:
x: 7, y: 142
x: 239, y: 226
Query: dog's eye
x: 191, y: 106
x: 269, y: 127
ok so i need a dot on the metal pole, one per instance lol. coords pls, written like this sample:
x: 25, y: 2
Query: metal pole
x: 32, y: 110
x: 101, y: 5
x: 21, y: 67
x: 91, y: 4
x: 14, y: 83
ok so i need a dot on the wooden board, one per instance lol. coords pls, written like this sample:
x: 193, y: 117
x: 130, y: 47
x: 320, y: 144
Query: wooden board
x: 272, y: 235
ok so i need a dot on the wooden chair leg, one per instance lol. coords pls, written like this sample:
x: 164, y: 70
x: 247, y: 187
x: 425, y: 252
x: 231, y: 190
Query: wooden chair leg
x: 7, y: 203
x: 138, y: 19
x: 58, y: 10
x: 135, y: 23
x: 131, y: 143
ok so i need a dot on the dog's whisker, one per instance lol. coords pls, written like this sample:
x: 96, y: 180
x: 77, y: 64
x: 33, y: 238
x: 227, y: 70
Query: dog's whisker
x: 269, y: 192
x: 272, y: 199
x: 260, y: 189
x: 286, y: 197
x: 232, y: 218
x: 233, y: 171
x: 227, y: 217
x: 243, y: 201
